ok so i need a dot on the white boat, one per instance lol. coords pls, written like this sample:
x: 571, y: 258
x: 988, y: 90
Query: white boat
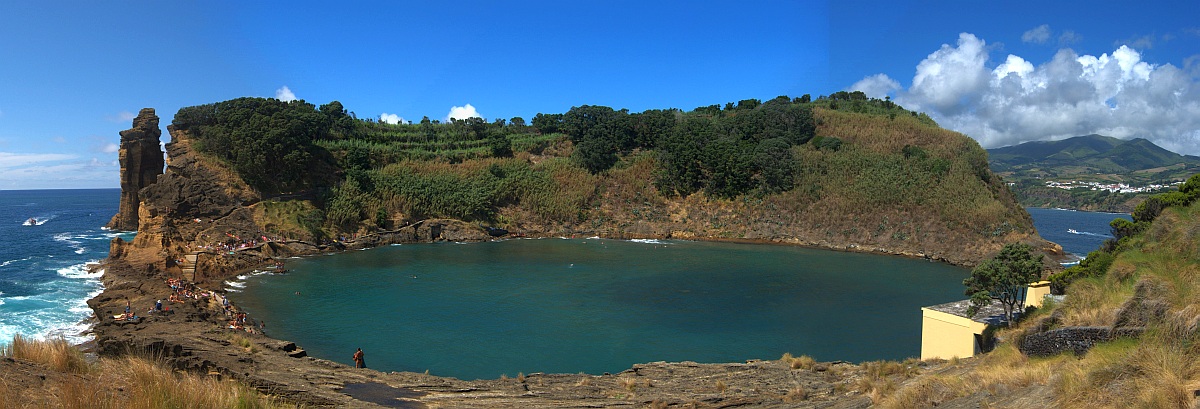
x: 31, y: 222
x: 1072, y: 231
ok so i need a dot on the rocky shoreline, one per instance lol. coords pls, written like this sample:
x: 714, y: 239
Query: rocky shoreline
x: 194, y: 335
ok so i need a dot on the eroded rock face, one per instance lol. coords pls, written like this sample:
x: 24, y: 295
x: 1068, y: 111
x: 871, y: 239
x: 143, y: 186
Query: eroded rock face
x: 142, y: 161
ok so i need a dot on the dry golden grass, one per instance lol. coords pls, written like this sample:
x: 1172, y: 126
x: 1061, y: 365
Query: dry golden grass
x: 884, y: 134
x: 243, y: 343
x: 627, y: 383
x: 5, y: 394
x: 1093, y: 302
x: 925, y: 392
x: 796, y: 394
x: 149, y: 384
x: 801, y: 362
x: 721, y: 386
x: 1001, y: 370
x: 129, y: 382
x: 881, y: 369
x: 58, y: 354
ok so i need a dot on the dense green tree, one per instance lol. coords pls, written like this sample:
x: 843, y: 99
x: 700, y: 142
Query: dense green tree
x: 748, y: 103
x: 652, y: 125
x: 681, y: 156
x: 599, y: 133
x: 547, y: 123
x: 776, y: 166
x: 728, y: 165
x: 711, y: 110
x: 266, y: 141
x: 1004, y: 278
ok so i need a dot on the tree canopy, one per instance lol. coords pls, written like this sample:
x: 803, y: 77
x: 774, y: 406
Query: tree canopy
x: 268, y: 142
x: 1004, y: 278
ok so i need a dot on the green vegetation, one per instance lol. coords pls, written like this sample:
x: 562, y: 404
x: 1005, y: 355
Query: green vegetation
x: 844, y: 153
x: 1089, y: 159
x: 1003, y: 278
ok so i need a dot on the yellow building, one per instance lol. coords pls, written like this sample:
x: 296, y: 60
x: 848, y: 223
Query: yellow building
x: 947, y: 331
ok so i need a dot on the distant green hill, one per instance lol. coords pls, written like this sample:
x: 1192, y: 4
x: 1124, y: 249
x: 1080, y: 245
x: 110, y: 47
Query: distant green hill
x: 1102, y: 154
x: 1088, y: 159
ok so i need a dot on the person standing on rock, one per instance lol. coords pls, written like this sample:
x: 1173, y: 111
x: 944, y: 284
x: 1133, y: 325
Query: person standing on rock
x: 358, y: 359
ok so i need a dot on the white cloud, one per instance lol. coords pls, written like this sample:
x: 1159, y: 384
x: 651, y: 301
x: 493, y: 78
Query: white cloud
x: 285, y: 94
x: 1041, y: 35
x: 1145, y: 42
x: 110, y: 148
x: 52, y: 170
x: 951, y: 78
x: 1013, y: 101
x: 122, y: 117
x: 1038, y: 35
x: 876, y: 86
x: 1069, y: 37
x: 10, y: 160
x: 462, y: 112
x: 391, y: 118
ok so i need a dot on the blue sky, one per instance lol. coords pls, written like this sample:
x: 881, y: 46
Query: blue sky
x: 72, y: 74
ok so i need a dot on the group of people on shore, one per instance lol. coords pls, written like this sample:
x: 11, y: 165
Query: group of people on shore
x: 181, y: 289
x: 238, y: 319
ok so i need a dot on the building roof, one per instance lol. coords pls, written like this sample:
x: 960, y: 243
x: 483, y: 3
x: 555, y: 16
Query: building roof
x: 991, y: 314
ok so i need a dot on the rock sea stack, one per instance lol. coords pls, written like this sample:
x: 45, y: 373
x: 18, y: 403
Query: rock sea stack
x: 142, y: 161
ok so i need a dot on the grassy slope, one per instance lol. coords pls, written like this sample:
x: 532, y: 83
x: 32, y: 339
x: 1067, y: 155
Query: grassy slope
x: 1159, y: 369
x: 60, y: 377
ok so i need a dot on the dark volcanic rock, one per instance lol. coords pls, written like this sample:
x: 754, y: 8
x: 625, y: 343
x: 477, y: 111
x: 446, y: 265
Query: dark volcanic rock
x: 1074, y: 339
x: 141, y: 162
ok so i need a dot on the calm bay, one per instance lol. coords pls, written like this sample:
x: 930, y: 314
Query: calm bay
x: 481, y: 310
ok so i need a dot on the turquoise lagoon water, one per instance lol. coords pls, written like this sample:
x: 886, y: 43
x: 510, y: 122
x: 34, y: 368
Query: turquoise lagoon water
x: 481, y: 310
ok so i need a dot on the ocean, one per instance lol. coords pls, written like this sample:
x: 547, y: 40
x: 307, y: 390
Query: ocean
x: 1077, y: 232
x: 44, y: 281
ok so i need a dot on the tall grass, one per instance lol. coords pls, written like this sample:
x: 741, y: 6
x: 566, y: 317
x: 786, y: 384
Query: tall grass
x: 152, y: 385
x: 128, y: 382
x: 57, y: 353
